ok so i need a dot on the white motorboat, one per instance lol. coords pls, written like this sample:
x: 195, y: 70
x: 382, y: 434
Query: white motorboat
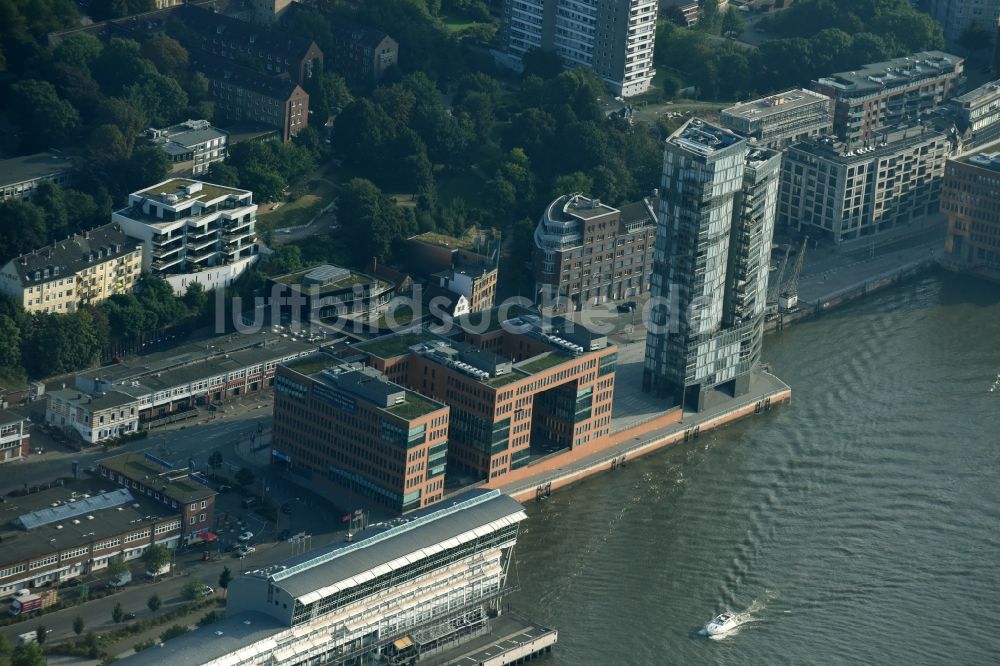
x: 722, y: 623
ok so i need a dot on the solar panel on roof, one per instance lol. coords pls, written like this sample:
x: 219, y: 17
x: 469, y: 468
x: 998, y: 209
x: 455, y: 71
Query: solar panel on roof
x: 78, y: 508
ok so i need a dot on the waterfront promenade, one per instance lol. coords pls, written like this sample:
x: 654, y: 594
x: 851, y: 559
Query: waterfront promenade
x: 562, y: 469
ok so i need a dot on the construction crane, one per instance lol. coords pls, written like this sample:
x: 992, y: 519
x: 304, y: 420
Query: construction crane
x: 775, y: 287
x: 789, y: 296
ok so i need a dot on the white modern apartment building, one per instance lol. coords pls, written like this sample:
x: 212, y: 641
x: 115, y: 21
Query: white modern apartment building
x: 191, y: 146
x: 614, y: 38
x: 397, y: 593
x: 192, y: 231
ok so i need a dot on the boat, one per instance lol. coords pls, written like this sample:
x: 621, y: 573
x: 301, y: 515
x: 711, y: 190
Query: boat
x: 721, y: 624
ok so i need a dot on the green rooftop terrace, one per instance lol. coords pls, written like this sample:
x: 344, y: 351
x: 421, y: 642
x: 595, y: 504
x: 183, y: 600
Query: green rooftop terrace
x: 308, y: 365
x: 503, y: 380
x: 391, y: 346
x: 414, y: 407
x: 466, y: 242
x: 176, y: 186
x: 543, y: 362
x: 135, y: 466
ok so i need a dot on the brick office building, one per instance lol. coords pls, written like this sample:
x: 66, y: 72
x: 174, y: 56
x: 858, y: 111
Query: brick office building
x: 348, y: 426
x: 74, y: 529
x: 587, y: 251
x: 180, y: 488
x: 515, y: 387
x: 969, y: 197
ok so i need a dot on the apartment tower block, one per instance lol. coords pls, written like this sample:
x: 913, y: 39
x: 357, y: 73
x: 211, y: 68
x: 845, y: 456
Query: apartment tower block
x: 614, y: 38
x: 716, y: 220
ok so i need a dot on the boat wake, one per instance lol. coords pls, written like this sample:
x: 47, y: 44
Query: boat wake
x: 736, y: 622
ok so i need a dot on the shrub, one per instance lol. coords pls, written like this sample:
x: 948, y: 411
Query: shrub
x: 173, y: 632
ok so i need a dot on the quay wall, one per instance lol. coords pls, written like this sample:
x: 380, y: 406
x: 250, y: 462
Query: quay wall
x: 559, y: 471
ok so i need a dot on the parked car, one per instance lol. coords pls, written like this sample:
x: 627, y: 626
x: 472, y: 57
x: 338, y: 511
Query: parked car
x: 245, y: 536
x: 627, y: 307
x: 206, y: 590
x: 243, y: 551
x: 129, y: 616
x: 224, y: 488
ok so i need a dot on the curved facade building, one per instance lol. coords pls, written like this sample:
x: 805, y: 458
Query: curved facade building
x: 588, y: 252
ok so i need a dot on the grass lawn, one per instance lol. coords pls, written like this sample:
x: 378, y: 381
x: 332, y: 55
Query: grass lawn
x: 457, y: 23
x: 314, y: 197
x: 542, y: 363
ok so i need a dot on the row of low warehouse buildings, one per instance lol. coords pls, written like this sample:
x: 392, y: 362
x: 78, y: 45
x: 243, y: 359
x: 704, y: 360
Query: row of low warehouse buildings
x: 114, y: 401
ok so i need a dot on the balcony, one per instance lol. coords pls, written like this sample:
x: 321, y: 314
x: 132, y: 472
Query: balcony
x: 198, y: 246
x: 165, y: 252
x: 164, y: 264
x: 201, y: 257
x: 197, y: 233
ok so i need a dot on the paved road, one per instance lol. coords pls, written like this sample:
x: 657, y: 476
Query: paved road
x: 827, y: 271
x: 234, y: 433
x: 180, y: 440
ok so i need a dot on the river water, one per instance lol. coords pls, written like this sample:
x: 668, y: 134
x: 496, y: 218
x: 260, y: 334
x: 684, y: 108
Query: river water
x: 859, y: 524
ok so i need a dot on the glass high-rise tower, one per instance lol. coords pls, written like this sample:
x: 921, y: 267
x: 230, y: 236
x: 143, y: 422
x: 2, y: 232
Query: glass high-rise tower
x: 709, y: 283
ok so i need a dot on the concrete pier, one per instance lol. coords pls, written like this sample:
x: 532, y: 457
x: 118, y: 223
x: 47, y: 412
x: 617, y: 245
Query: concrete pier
x: 563, y: 469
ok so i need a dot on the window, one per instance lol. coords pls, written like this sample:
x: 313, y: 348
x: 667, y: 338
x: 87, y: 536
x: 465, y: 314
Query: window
x: 204, y: 503
x: 70, y: 554
x: 45, y: 561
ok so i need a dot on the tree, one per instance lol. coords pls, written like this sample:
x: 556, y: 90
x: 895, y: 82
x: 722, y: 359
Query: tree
x: 45, y: 118
x: 245, y: 476
x: 223, y: 174
x: 709, y: 15
x: 160, y: 98
x: 79, y: 50
x: 117, y: 566
x: 108, y: 9
x: 78, y: 625
x: 92, y: 644
x: 117, y: 614
x: 156, y: 557
x: 120, y: 64
x: 173, y: 631
x: 286, y: 259
x: 4, y: 649
x: 147, y: 166
x: 196, y: 298
x: 10, y: 345
x: 215, y: 460
x: 224, y: 578
x: 192, y: 589
x: 571, y: 183
x: 732, y: 22
x: 266, y: 185
x: 40, y: 633
x: 371, y: 220
x: 153, y: 603
x: 29, y: 654
x: 167, y: 54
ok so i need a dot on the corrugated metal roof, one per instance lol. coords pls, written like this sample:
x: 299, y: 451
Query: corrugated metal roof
x: 80, y: 507
x: 316, y: 574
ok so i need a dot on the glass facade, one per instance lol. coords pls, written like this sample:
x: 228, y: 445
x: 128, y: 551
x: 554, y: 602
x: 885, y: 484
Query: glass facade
x: 717, y: 207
